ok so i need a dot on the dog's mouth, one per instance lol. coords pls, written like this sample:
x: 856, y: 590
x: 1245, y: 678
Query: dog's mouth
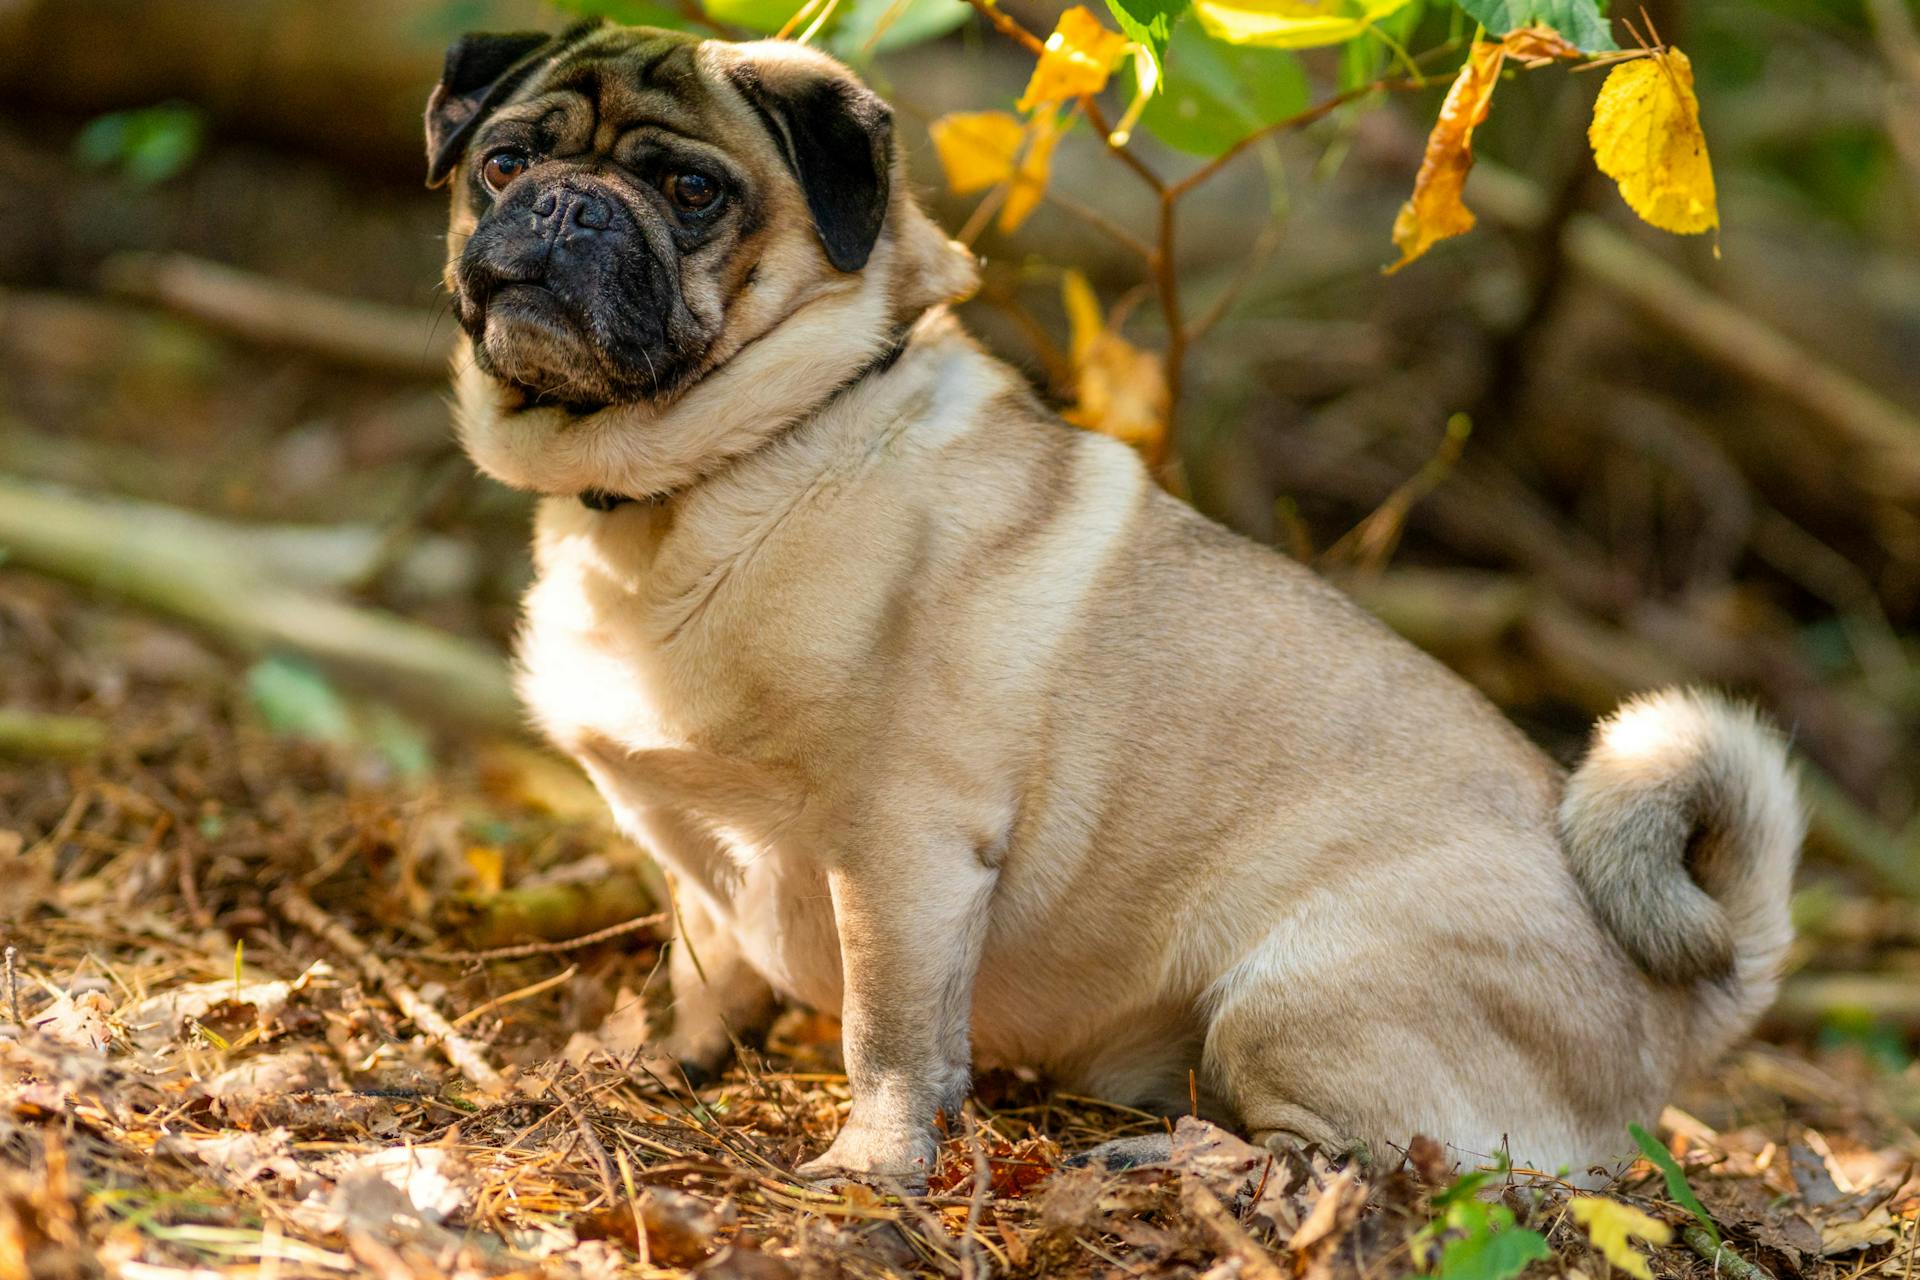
x: 533, y: 341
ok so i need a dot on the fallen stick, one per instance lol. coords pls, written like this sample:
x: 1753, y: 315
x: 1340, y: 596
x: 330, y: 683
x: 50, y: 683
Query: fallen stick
x: 1809, y: 1000
x: 272, y: 312
x: 209, y: 573
x: 41, y: 735
x: 1725, y: 1261
x: 1718, y: 329
x: 461, y: 1052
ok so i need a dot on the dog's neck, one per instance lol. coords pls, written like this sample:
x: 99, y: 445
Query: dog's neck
x: 601, y: 500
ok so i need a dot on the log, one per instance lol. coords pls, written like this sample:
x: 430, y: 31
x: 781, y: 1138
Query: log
x: 271, y: 312
x: 200, y: 570
x: 1887, y: 435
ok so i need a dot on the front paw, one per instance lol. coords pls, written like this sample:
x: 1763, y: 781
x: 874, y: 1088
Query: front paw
x: 882, y: 1156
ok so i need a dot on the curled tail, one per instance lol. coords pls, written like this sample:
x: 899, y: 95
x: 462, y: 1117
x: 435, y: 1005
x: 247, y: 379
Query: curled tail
x: 1683, y: 825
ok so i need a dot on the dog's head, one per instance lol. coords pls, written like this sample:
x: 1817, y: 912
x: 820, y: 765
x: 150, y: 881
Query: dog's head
x: 636, y: 212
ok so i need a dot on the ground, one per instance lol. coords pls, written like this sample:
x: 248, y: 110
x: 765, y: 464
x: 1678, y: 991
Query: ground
x: 274, y: 1012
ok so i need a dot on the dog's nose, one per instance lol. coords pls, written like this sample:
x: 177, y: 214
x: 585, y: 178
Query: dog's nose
x: 569, y: 213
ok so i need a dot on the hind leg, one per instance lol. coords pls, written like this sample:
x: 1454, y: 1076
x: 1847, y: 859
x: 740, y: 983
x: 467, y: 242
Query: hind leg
x: 1357, y: 1053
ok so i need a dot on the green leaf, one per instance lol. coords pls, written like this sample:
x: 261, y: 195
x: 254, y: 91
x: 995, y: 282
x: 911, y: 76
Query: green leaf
x: 1149, y: 23
x: 863, y: 28
x: 148, y: 145
x: 1677, y: 1185
x: 1496, y: 1250
x: 1580, y: 21
x: 297, y: 702
x: 1213, y: 93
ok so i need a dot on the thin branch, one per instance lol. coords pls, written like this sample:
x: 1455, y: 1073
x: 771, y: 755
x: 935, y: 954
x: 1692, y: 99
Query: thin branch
x: 1299, y: 120
x: 299, y: 909
x: 1099, y: 222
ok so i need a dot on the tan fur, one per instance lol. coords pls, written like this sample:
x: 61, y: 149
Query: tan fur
x: 944, y: 718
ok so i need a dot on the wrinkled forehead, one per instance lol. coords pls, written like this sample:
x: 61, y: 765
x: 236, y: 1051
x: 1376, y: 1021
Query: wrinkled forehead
x: 611, y: 82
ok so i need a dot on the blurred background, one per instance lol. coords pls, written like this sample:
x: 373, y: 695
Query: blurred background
x: 245, y: 574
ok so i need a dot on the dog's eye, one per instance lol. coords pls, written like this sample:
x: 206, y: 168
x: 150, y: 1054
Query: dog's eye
x: 503, y: 167
x: 691, y: 192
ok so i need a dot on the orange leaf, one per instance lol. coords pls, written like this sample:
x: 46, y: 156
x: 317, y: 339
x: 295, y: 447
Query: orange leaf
x: 1078, y: 58
x: 1036, y: 167
x: 1119, y: 390
x: 976, y: 148
x: 1436, y: 211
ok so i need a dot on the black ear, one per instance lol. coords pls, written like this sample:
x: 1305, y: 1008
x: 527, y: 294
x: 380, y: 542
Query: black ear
x: 481, y: 70
x: 837, y: 138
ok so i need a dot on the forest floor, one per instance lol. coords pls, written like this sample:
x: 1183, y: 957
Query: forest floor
x: 266, y: 1019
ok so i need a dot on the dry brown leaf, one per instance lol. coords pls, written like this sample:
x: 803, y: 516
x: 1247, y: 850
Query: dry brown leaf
x: 1437, y: 211
x: 84, y: 1021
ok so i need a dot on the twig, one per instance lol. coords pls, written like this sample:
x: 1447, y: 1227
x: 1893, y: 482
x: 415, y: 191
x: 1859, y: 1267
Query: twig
x: 1724, y: 1259
x: 13, y: 986
x: 274, y: 312
x: 37, y: 734
x: 970, y: 1266
x: 1865, y: 418
x: 1299, y: 120
x: 206, y: 571
x: 528, y: 949
x: 461, y: 1052
x: 591, y: 1140
x: 513, y: 997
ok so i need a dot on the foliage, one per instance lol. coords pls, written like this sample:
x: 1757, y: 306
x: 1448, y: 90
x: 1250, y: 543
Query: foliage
x: 148, y: 145
x: 1216, y: 77
x: 1609, y: 1223
x: 1677, y: 1185
x: 1475, y: 1238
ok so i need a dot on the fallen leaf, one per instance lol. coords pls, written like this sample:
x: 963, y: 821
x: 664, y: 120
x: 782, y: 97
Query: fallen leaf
x: 1077, y: 59
x: 237, y: 1157
x: 1292, y: 24
x: 976, y: 149
x: 681, y: 1229
x: 1609, y: 1223
x: 1876, y: 1227
x: 158, y: 1021
x: 1646, y: 136
x: 1119, y: 390
x: 1249, y: 1180
x: 77, y: 1022
x: 1436, y: 210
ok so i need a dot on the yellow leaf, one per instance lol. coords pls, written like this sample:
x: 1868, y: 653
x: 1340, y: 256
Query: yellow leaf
x: 1436, y: 211
x: 976, y: 148
x: 488, y: 865
x: 1119, y: 390
x: 1036, y: 167
x: 1291, y: 24
x: 1609, y: 1223
x: 1078, y: 58
x: 1646, y: 137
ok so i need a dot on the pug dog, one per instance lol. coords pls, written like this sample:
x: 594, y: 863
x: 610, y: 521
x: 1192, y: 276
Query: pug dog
x: 943, y: 717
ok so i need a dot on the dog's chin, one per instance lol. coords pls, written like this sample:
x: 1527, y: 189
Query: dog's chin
x: 533, y: 343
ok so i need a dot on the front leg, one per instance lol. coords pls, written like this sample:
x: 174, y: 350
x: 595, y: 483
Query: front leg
x: 670, y: 801
x: 912, y: 913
